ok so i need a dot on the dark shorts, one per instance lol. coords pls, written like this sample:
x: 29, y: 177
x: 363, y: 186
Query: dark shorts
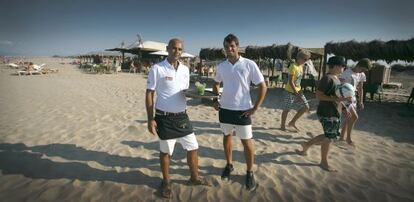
x: 331, y: 126
x: 234, y: 117
x: 173, y: 126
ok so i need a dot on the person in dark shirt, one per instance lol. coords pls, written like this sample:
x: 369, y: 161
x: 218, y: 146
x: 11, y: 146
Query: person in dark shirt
x: 329, y: 110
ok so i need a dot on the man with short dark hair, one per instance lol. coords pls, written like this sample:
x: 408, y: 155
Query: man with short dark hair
x: 168, y: 79
x: 235, y: 106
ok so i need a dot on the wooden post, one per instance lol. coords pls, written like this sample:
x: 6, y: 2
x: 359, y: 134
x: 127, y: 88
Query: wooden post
x: 200, y: 66
x: 324, y: 64
x: 123, y: 59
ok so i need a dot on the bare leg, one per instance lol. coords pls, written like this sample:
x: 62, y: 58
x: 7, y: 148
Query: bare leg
x: 165, y: 166
x: 284, y: 116
x: 324, y: 154
x: 298, y: 114
x: 228, y: 151
x: 350, y: 125
x: 249, y: 153
x: 344, y: 129
x: 192, y: 161
x: 305, y: 146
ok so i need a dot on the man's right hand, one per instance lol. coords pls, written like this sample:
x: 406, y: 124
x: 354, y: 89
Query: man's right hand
x: 152, y: 127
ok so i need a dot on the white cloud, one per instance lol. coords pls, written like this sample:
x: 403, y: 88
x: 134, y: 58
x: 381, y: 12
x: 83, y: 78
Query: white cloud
x: 6, y: 43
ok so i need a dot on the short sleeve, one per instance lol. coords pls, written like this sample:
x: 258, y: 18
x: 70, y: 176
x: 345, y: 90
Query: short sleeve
x: 256, y: 76
x: 152, y: 79
x: 186, y: 84
x: 218, y: 77
x: 363, y: 78
x: 292, y: 70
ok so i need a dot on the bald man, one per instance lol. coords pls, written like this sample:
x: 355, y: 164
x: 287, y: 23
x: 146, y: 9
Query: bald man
x: 169, y: 79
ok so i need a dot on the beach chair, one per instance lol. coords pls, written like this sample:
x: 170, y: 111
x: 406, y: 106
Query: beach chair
x: 12, y: 65
x: 273, y: 80
x: 308, y: 82
x: 41, y: 68
x: 372, y: 89
x: 29, y: 72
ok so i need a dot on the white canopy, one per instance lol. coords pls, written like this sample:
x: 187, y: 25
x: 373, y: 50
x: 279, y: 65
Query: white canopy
x: 161, y: 52
x: 165, y: 53
x: 187, y: 55
x: 148, y: 46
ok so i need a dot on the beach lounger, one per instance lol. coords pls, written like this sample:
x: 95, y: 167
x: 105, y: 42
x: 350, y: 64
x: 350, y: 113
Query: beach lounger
x: 28, y: 72
x: 13, y: 65
x: 41, y: 68
x: 372, y: 89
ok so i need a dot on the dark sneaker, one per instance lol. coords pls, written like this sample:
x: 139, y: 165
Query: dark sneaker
x: 226, y: 172
x: 165, y: 189
x: 250, y: 182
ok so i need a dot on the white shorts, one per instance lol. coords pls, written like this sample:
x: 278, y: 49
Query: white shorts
x: 243, y: 131
x: 188, y: 142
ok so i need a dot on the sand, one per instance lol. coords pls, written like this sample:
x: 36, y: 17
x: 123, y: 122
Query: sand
x: 76, y: 136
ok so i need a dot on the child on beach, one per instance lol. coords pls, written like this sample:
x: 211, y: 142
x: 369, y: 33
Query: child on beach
x: 356, y: 77
x: 329, y: 110
x: 293, y: 97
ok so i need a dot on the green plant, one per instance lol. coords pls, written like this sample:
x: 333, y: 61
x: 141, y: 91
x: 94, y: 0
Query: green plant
x: 200, y: 87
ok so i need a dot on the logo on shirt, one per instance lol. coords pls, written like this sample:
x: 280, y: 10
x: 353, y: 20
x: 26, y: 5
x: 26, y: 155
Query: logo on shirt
x: 242, y: 72
x: 168, y: 78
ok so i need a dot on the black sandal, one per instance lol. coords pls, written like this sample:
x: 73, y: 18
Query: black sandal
x: 165, y: 189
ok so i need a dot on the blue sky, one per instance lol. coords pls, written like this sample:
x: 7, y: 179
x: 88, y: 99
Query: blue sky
x: 63, y: 27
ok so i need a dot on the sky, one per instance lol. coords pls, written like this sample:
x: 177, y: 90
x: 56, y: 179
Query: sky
x: 69, y: 27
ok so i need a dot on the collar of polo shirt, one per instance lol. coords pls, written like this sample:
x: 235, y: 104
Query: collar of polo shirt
x: 169, y: 64
x: 239, y: 60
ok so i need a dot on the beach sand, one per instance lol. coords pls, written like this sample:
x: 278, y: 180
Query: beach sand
x: 76, y: 136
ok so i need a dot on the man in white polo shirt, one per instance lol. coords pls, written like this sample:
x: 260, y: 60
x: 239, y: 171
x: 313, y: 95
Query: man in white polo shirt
x: 168, y: 79
x: 235, y: 105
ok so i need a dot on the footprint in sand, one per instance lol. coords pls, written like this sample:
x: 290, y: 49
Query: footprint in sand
x: 133, y: 130
x: 309, y: 134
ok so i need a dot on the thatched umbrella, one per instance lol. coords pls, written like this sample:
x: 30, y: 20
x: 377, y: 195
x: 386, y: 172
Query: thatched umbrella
x: 212, y: 54
x: 389, y: 51
x: 376, y: 50
x: 272, y: 52
x: 121, y: 48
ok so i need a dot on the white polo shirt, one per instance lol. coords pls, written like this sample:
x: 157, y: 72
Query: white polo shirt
x: 168, y: 85
x: 236, y: 83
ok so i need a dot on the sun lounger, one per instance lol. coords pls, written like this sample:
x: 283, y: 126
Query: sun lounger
x: 38, y: 69
x: 41, y: 68
x: 29, y: 72
x: 13, y: 65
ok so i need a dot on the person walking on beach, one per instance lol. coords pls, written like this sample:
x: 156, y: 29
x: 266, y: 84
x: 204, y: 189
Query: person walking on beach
x: 235, y: 106
x: 329, y: 110
x: 133, y: 67
x: 168, y: 80
x: 293, y: 97
x: 356, y: 77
